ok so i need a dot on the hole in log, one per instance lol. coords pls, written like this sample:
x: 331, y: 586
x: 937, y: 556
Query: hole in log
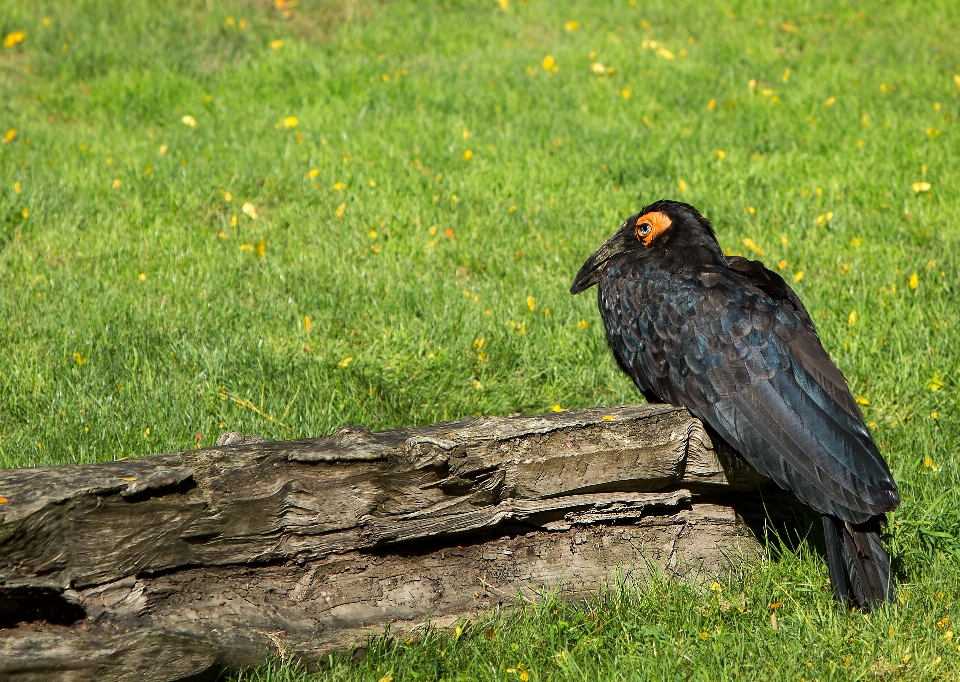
x: 31, y: 603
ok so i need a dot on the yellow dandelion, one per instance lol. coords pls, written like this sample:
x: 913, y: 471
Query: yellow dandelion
x: 625, y: 93
x: 164, y: 148
x: 830, y: 101
x: 608, y: 417
x: 116, y: 184
x: 716, y: 587
x: 788, y: 28
x: 682, y: 185
x: 341, y: 209
x: 250, y: 210
x: 290, y: 122
x: 572, y: 25
x: 919, y: 187
x: 934, y: 415
x: 222, y: 234
x: 189, y: 121
x: 750, y: 244
x: 799, y: 276
x: 504, y: 4
x: 313, y: 172
x: 16, y: 187
x: 711, y: 105
x: 261, y: 248
x: 862, y: 401
x: 276, y: 44
x: 531, y: 303
x: 721, y: 154
x: 246, y: 247
x: 79, y: 359
x: 477, y: 385
x: 557, y: 408
x: 467, y: 155
x: 338, y: 186
x: 583, y: 324
x: 914, y: 281
x: 9, y: 135
x: 786, y: 76
x: 665, y: 53
x: 142, y: 276
x: 548, y: 62
x: 345, y: 362
x: 856, y: 242
x: 751, y: 210
x: 781, y: 265
x: 928, y: 462
x: 25, y: 213
x: 14, y: 38
x: 233, y: 221
x: 525, y: 676
x: 598, y: 68
x: 228, y: 196
x: 852, y: 318
x: 824, y: 218
x: 704, y: 635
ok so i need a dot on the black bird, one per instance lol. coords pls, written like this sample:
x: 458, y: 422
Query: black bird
x: 731, y: 341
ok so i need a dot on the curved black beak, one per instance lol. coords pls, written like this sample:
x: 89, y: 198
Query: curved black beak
x: 592, y: 269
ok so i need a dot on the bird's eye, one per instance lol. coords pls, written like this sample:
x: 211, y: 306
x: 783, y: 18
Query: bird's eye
x: 644, y: 229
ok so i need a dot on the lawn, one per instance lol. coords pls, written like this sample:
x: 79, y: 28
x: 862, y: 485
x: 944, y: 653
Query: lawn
x: 285, y: 217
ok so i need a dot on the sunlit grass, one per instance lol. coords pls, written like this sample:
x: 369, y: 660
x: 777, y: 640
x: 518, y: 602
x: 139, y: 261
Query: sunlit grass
x: 183, y: 185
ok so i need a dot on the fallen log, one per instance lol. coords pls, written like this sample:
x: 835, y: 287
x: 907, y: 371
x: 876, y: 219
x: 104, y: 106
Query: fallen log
x: 178, y: 566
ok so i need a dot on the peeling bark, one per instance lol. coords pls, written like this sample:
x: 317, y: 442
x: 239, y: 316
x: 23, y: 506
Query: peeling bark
x: 176, y: 566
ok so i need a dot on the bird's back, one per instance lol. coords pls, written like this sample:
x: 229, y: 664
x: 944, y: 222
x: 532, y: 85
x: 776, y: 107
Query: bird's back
x: 735, y: 346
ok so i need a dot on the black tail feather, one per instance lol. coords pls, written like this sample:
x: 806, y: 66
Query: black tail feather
x: 859, y: 566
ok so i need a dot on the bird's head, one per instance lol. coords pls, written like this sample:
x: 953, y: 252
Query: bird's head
x: 664, y: 228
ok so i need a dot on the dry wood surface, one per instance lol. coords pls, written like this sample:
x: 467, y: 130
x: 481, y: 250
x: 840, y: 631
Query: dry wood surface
x: 176, y: 566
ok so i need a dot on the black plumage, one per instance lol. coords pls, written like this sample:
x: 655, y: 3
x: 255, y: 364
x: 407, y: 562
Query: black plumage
x: 731, y: 341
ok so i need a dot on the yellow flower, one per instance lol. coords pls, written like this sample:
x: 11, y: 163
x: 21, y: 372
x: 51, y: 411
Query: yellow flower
x: 276, y: 44
x: 79, y: 359
x: 233, y: 221
x: 936, y: 383
x: 525, y: 676
x: 786, y: 76
x: 290, y: 122
x: 571, y: 25
x: 825, y: 218
x: 548, y: 62
x: 142, y: 276
x: 116, y: 184
x: 557, y: 408
x: 862, y: 401
x: 788, y: 28
x: 704, y: 635
x: 711, y: 105
x: 189, y: 121
x: 830, y: 101
x: 250, y: 210
x: 682, y: 185
x: 751, y: 210
x: 9, y: 135
x: 14, y: 38
x: 341, y: 209
x: 749, y: 243
x: 856, y: 242
x: 25, y: 213
x: 919, y: 187
x: 504, y: 4
x: 598, y: 68
x: 531, y: 303
x: 313, y: 172
x: 345, y: 362
x: 914, y: 281
x: 665, y: 53
x: 781, y: 265
x: 164, y: 148
x: 261, y: 248
x: 625, y: 93
x: 477, y: 385
x: 852, y: 318
x: 721, y: 154
x: 716, y: 587
x: 799, y: 276
x: 146, y: 432
x: 338, y: 186
x: 934, y: 415
x: 583, y: 324
x: 16, y: 187
x: 467, y: 155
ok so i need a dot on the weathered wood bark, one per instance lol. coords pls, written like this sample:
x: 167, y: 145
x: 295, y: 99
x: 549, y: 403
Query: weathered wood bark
x: 174, y: 566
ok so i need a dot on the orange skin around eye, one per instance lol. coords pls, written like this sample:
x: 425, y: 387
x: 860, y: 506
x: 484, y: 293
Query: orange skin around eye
x: 659, y: 223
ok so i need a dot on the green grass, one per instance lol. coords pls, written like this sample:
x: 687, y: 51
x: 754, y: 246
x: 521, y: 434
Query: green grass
x: 146, y: 312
